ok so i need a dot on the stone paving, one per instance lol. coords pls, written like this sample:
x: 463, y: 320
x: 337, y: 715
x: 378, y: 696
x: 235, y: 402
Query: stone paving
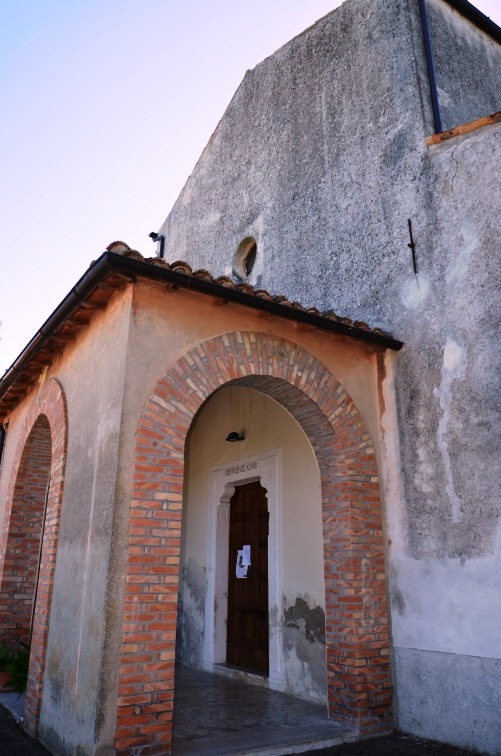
x: 214, y: 716
x: 217, y: 716
x: 14, y: 741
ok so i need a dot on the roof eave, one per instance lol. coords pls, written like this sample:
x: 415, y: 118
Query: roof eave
x: 478, y: 18
x: 110, y: 262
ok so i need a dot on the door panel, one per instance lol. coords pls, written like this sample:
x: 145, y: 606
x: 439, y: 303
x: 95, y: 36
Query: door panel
x: 247, y: 634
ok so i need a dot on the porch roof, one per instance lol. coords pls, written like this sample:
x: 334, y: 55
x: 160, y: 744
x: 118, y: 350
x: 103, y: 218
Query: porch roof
x: 118, y: 266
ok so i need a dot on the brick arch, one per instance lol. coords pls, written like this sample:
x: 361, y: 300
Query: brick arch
x: 29, y: 535
x: 359, y: 683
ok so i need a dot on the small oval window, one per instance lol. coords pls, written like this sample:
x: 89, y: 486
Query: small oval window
x: 244, y: 259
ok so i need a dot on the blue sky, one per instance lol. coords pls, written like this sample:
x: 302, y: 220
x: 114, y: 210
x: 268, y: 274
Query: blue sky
x: 106, y: 107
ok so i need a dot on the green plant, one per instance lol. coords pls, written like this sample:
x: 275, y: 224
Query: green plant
x: 15, y: 664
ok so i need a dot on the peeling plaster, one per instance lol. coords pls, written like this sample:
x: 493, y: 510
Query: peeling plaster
x: 459, y: 266
x: 314, y: 620
x: 191, y: 614
x: 304, y: 649
x: 450, y: 606
x: 424, y: 475
x: 414, y: 290
x: 453, y: 367
x: 394, y: 508
x: 210, y: 218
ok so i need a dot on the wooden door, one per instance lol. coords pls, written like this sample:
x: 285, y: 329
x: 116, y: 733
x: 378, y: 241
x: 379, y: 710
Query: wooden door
x: 247, y: 633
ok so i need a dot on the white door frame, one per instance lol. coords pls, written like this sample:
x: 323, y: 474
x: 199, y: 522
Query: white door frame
x: 267, y: 468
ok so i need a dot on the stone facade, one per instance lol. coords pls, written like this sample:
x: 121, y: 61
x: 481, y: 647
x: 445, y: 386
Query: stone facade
x: 322, y: 158
x: 306, y: 188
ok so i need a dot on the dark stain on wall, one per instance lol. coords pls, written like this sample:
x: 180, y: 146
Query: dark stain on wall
x: 191, y: 611
x: 314, y: 620
x: 304, y: 643
x: 398, y: 601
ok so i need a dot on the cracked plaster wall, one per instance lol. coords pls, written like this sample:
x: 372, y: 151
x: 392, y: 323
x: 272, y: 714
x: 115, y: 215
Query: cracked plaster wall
x: 321, y: 157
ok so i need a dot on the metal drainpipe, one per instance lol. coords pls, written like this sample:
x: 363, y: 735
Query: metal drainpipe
x: 46, y: 501
x: 431, y: 68
x: 158, y: 239
x: 2, y: 442
x: 161, y: 239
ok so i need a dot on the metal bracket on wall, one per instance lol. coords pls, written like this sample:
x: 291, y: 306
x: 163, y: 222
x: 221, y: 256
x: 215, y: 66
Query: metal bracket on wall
x: 412, y: 246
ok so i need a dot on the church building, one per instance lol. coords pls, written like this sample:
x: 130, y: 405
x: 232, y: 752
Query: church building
x: 270, y: 450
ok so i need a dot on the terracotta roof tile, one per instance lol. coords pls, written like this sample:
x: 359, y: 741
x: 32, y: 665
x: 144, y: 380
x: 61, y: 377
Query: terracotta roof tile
x: 181, y: 266
x: 119, y: 265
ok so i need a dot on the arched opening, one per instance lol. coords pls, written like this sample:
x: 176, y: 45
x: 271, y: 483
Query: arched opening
x: 277, y: 457
x: 244, y: 258
x: 24, y: 541
x: 29, y: 538
x: 357, y: 644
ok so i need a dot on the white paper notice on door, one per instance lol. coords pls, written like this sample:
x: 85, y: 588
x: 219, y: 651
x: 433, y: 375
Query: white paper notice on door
x: 246, y: 555
x: 241, y: 567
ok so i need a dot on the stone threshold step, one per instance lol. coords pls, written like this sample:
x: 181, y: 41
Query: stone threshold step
x: 273, y: 744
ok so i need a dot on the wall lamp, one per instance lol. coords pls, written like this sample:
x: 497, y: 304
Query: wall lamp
x: 158, y: 238
x: 235, y: 436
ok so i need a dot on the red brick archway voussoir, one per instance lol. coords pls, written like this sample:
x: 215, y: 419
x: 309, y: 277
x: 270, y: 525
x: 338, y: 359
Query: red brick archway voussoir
x: 47, y: 414
x: 359, y: 682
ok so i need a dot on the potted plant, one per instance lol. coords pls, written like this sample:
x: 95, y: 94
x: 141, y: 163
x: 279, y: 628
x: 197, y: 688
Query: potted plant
x: 14, y: 667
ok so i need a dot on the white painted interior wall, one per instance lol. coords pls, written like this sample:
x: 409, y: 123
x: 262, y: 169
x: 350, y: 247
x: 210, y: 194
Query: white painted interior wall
x: 266, y: 426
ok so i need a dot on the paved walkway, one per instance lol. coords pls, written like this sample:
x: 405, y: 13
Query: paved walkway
x: 216, y: 716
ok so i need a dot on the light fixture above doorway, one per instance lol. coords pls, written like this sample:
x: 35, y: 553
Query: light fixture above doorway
x: 235, y: 436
